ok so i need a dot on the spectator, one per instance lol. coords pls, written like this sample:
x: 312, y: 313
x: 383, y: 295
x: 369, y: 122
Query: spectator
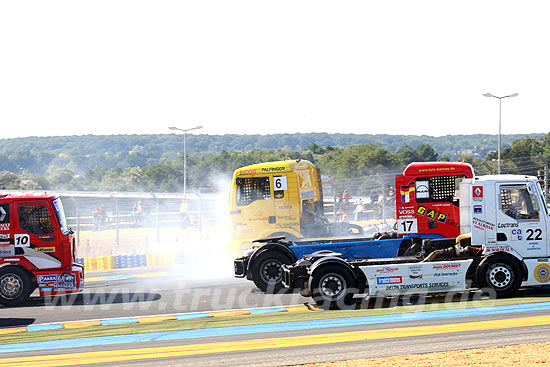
x: 137, y: 212
x: 184, y: 215
x: 359, y: 208
x: 346, y: 197
x: 95, y: 214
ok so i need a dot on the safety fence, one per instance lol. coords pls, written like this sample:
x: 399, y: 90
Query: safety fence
x: 101, y: 263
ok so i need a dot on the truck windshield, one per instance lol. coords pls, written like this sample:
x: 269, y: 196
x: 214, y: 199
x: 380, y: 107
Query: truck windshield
x: 60, y: 215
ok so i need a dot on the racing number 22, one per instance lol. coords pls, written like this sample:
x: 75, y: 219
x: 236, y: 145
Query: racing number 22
x: 534, y: 234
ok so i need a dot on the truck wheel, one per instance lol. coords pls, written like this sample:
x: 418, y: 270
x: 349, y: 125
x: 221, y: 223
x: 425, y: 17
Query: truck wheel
x: 332, y: 286
x: 499, y: 273
x: 267, y: 272
x: 15, y: 286
x: 355, y: 229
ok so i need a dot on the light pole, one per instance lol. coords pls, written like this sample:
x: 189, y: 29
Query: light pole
x: 499, y: 123
x: 185, y: 154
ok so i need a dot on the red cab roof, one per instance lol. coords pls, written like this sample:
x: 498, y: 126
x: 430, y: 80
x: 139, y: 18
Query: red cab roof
x: 439, y: 169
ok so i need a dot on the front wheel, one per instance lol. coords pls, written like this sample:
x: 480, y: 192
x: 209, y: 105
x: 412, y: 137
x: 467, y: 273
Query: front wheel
x: 500, y: 273
x: 332, y: 286
x: 15, y: 286
x: 267, y: 271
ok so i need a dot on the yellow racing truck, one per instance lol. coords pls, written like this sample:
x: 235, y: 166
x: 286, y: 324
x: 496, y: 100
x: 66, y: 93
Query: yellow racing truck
x: 283, y: 198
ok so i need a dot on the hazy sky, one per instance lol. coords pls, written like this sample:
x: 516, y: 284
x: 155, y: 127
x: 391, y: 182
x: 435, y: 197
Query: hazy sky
x: 247, y: 67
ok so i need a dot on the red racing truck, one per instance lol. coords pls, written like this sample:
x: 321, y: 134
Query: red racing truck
x: 37, y: 249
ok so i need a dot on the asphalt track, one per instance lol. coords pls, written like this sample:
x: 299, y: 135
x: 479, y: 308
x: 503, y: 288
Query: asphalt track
x: 167, y: 291
x: 141, y: 292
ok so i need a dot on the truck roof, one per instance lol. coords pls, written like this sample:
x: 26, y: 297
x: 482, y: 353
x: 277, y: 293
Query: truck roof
x: 26, y: 196
x: 273, y: 167
x: 439, y: 169
x: 504, y: 178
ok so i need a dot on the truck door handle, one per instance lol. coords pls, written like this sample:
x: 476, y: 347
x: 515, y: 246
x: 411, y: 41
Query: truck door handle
x: 46, y: 238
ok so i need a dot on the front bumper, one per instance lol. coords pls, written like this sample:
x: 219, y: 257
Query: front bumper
x: 240, y: 265
x: 296, y: 276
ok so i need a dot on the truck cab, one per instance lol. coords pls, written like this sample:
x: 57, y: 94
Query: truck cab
x: 37, y: 249
x: 283, y: 198
x: 509, y: 216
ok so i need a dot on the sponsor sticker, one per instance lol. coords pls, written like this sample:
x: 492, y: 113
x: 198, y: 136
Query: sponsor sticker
x: 542, y: 273
x: 478, y: 209
x: 44, y: 249
x: 415, y: 271
x: 389, y: 280
x: 386, y: 270
x: 4, y: 236
x: 482, y: 224
x: 4, y: 226
x: 477, y: 193
x: 7, y: 251
x: 446, y: 266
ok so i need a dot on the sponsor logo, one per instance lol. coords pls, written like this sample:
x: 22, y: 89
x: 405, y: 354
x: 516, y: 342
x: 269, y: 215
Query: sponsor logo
x: 4, y: 236
x: 7, y: 251
x: 406, y: 192
x: 517, y: 235
x: 4, y: 226
x: 308, y: 194
x: 478, y: 209
x: 406, y: 212
x: 46, y: 289
x: 415, y: 271
x: 388, y: 280
x: 422, y: 190
x: 508, y: 225
x: 54, y: 278
x: 542, y: 273
x: 446, y: 266
x: 445, y: 274
x: 4, y: 243
x: 44, y: 249
x: 497, y: 248
x: 418, y: 286
x: 435, y: 215
x: 247, y: 172
x: 482, y: 224
x: 386, y: 270
x: 272, y: 169
x: 477, y: 192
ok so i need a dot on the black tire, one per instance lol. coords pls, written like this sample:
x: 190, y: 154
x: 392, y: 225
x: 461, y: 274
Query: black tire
x: 500, y: 273
x: 333, y: 287
x: 267, y: 272
x: 355, y: 229
x: 15, y: 286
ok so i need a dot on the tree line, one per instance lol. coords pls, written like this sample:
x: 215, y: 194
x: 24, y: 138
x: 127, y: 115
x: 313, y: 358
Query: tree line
x: 524, y: 155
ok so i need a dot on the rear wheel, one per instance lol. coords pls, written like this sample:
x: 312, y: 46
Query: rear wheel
x: 15, y: 286
x: 267, y: 271
x: 332, y: 286
x: 500, y: 273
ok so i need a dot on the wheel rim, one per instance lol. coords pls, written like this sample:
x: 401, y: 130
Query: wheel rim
x: 11, y: 286
x: 332, y: 286
x: 271, y: 271
x: 500, y: 276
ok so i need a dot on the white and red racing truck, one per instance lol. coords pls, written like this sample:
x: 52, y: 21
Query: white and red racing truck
x: 37, y: 249
x: 503, y: 245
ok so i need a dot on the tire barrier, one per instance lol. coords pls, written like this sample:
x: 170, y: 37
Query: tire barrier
x: 131, y: 261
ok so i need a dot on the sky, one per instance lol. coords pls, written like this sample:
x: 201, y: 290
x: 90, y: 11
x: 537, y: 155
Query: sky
x: 265, y: 67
